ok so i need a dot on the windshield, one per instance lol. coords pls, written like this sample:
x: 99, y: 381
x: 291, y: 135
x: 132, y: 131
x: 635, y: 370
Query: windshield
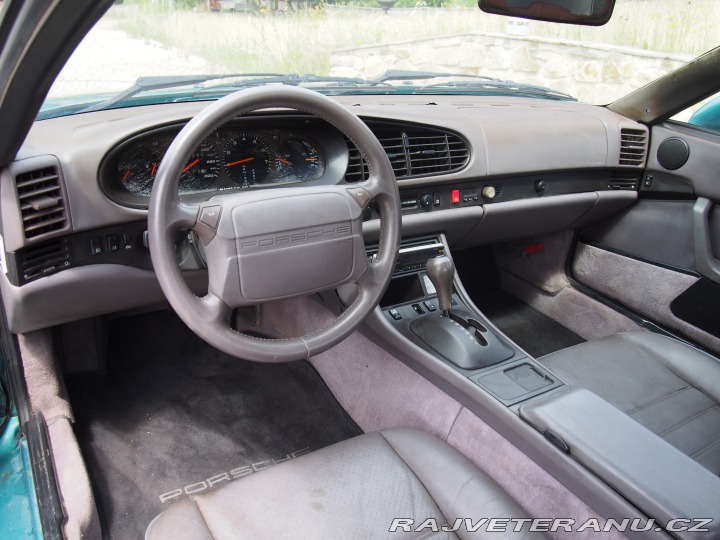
x: 154, y: 51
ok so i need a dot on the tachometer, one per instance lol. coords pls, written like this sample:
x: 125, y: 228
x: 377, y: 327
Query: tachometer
x: 247, y: 159
x: 299, y: 161
x: 202, y: 169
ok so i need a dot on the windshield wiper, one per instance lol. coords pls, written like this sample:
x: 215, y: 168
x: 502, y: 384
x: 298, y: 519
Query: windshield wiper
x: 295, y: 79
x: 410, y: 75
x: 145, y: 84
x: 479, y: 83
x: 496, y: 88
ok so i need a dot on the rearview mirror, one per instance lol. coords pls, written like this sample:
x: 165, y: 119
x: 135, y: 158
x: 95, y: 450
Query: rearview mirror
x: 587, y: 12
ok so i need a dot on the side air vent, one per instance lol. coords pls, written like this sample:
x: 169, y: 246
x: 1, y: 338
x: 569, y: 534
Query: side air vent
x: 42, y: 204
x: 43, y: 259
x: 623, y: 180
x: 413, y: 152
x: 633, y: 146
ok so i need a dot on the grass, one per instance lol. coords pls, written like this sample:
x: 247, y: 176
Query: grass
x: 301, y: 42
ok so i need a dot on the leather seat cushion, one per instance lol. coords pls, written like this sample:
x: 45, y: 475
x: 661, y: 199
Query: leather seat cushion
x: 353, y: 489
x: 667, y: 386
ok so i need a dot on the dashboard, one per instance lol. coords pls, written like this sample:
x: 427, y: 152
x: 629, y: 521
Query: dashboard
x: 479, y: 170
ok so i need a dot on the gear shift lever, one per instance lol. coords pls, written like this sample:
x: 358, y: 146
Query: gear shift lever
x: 441, y: 271
x: 458, y: 336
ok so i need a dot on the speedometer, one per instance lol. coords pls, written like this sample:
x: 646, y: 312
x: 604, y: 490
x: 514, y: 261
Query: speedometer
x: 247, y: 159
x: 202, y: 170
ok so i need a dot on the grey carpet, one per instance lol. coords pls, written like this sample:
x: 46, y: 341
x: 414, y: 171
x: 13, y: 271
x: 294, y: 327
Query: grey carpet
x: 536, y: 333
x: 174, y: 416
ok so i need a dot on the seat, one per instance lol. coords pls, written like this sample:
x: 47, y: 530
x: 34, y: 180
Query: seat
x: 667, y: 386
x: 352, y: 489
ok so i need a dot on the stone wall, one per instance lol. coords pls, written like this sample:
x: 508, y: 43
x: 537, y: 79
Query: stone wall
x: 592, y: 73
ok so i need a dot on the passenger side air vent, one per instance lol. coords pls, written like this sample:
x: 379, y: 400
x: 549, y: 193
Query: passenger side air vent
x: 633, y: 146
x: 623, y: 180
x: 43, y: 259
x: 42, y: 204
x: 412, y: 152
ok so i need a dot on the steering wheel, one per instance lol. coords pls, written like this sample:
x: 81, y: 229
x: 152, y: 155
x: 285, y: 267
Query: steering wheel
x: 271, y: 244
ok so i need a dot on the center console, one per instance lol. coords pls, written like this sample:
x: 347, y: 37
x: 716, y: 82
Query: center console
x: 424, y: 304
x: 427, y: 319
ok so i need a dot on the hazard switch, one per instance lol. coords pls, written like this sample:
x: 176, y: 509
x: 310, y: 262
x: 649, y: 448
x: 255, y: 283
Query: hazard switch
x: 455, y: 196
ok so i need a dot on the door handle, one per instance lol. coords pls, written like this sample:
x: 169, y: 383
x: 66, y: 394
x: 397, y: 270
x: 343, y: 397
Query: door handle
x: 705, y: 262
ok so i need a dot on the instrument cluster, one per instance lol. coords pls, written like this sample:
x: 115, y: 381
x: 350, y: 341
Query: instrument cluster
x: 231, y: 158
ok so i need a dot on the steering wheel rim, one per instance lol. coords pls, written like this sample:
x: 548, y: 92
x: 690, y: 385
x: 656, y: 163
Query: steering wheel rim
x: 208, y: 316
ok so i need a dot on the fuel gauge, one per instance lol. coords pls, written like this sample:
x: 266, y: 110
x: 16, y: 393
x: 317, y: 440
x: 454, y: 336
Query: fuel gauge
x: 137, y: 169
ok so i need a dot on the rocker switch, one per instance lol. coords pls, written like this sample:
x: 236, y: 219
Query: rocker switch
x: 210, y: 216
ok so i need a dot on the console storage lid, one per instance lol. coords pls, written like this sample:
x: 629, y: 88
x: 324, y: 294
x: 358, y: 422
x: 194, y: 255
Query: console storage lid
x: 653, y: 475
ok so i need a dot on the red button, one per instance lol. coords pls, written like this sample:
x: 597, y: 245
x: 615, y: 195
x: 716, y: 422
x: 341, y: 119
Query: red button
x: 455, y: 196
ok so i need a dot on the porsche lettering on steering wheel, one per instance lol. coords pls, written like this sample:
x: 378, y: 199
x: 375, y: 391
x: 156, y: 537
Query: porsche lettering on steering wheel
x: 273, y: 244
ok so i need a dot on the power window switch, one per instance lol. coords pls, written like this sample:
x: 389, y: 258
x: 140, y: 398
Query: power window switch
x: 429, y: 306
x: 96, y: 246
x: 418, y: 309
x: 113, y: 241
x: 395, y: 314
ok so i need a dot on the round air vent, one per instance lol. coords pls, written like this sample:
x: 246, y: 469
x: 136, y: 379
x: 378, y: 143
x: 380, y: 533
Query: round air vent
x: 673, y: 153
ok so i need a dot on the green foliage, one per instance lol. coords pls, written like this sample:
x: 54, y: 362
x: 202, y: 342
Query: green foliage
x: 302, y: 41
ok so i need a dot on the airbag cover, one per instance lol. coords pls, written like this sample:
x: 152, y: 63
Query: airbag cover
x: 292, y: 245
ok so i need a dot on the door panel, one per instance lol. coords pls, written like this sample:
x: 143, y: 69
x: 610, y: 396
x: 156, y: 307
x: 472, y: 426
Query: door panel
x: 661, y: 258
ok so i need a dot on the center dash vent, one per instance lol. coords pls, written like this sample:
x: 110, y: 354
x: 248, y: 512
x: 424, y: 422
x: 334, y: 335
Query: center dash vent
x: 412, y: 152
x: 42, y: 204
x: 43, y: 259
x: 633, y: 147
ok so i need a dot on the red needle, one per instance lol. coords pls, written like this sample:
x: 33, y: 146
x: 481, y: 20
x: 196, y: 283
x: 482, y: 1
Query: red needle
x: 281, y: 160
x: 310, y: 159
x: 152, y: 173
x: 125, y: 176
x: 239, y: 162
x: 191, y: 164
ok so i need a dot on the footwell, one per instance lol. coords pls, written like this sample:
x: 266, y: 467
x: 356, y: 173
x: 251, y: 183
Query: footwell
x: 173, y: 417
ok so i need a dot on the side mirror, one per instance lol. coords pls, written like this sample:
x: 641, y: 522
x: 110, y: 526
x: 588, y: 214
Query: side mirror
x: 586, y: 12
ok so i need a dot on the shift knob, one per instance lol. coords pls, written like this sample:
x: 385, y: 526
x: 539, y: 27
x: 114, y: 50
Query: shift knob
x: 441, y: 271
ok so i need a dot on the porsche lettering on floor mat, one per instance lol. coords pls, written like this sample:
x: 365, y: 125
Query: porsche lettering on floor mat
x: 232, y: 474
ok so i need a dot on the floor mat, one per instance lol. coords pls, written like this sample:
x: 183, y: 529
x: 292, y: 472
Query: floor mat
x: 538, y: 334
x: 535, y: 332
x: 175, y: 416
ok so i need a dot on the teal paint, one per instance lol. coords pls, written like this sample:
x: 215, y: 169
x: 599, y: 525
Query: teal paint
x: 18, y: 507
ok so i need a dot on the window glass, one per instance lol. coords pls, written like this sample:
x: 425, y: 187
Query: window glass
x: 705, y: 114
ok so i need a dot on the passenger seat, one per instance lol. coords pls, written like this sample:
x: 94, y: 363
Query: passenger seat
x: 667, y: 386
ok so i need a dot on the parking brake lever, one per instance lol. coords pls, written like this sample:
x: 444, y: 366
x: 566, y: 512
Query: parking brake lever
x: 441, y: 271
